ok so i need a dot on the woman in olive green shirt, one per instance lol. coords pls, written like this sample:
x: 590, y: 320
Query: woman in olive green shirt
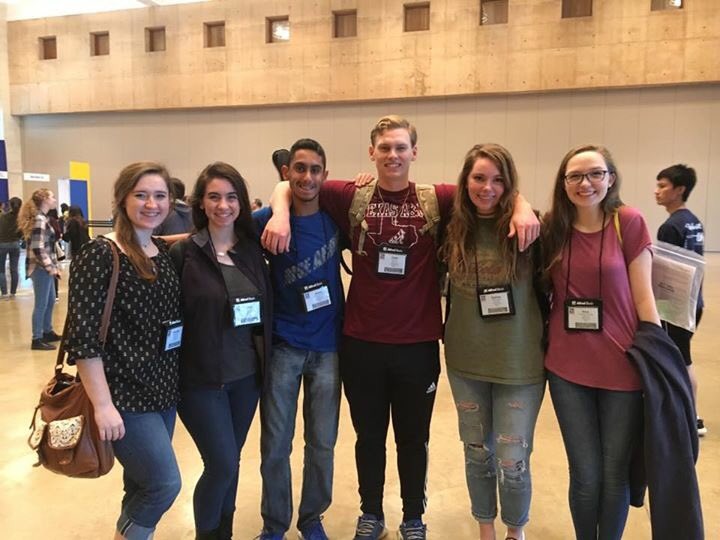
x: 493, y: 338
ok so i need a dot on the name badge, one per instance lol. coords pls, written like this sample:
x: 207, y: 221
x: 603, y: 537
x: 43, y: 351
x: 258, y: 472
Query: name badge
x: 246, y: 311
x: 315, y: 296
x: 392, y: 261
x: 496, y: 301
x: 583, y: 315
x: 173, y: 335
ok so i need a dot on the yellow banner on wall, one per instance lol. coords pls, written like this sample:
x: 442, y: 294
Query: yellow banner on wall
x: 79, y: 170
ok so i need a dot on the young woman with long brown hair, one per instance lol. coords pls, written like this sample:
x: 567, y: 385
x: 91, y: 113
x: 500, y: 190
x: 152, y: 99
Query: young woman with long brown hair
x: 133, y: 380
x: 493, y: 336
x: 599, y: 262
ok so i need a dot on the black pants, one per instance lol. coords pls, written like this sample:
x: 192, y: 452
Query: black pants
x: 380, y: 380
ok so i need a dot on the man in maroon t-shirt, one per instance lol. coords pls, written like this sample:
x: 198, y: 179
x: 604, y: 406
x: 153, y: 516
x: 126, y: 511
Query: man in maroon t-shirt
x: 389, y: 355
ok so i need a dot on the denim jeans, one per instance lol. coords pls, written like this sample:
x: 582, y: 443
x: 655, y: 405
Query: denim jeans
x: 320, y: 376
x: 497, y: 424
x: 12, y: 250
x: 600, y: 429
x: 44, y: 290
x: 218, y: 419
x: 151, y: 477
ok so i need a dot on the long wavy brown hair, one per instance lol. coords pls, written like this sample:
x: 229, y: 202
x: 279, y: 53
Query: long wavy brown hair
x: 558, y: 222
x: 30, y: 209
x: 458, y: 250
x: 124, y: 229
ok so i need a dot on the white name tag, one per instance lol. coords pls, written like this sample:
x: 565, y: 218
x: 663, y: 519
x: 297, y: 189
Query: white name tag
x: 246, y: 311
x: 315, y: 296
x: 583, y: 315
x: 496, y: 301
x: 392, y: 261
x: 173, y: 335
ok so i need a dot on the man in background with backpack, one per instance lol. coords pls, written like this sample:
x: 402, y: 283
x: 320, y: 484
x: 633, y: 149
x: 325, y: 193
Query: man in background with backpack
x: 389, y: 354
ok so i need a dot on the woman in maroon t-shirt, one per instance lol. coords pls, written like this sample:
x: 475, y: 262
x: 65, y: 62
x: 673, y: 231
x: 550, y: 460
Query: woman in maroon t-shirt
x: 601, y: 287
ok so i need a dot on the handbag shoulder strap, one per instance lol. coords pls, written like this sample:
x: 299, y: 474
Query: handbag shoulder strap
x: 110, y: 298
x: 107, y: 310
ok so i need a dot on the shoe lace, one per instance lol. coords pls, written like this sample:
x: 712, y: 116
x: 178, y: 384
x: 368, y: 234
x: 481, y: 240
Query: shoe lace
x: 366, y: 526
x: 413, y: 531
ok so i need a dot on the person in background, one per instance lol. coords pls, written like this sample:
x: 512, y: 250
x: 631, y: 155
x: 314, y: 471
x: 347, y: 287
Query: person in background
x: 76, y: 231
x: 179, y: 220
x: 493, y: 340
x: 132, y: 380
x: 227, y: 313
x: 280, y: 158
x: 57, y: 226
x: 601, y: 289
x: 10, y: 246
x: 256, y: 204
x: 682, y: 228
x: 40, y: 264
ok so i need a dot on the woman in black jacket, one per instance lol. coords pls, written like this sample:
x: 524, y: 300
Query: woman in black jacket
x: 227, y: 330
x: 76, y: 230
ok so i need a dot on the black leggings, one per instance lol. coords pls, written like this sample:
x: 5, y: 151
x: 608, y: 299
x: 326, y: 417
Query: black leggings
x: 381, y: 380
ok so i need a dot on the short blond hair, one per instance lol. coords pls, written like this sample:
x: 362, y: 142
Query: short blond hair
x: 393, y: 121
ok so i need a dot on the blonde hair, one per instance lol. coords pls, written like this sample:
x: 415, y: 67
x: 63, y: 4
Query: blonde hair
x: 29, y: 211
x: 393, y: 121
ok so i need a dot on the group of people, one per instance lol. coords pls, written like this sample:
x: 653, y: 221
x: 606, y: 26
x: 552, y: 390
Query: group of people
x: 250, y: 307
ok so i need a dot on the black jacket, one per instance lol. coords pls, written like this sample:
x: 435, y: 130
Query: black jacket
x: 670, y: 442
x: 203, y: 326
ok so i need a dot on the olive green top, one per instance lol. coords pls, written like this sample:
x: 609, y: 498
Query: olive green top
x: 504, y: 349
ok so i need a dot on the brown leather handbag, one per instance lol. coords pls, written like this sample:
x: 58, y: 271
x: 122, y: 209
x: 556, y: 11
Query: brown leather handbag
x: 63, y: 429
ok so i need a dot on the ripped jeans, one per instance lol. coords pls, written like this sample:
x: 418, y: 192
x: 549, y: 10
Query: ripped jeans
x: 497, y: 424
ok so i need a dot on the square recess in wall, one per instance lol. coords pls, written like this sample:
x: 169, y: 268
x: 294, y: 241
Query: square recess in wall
x: 48, y: 47
x: 659, y: 5
x: 576, y: 8
x: 99, y: 43
x: 277, y: 29
x: 416, y: 17
x: 215, y: 34
x: 493, y: 12
x: 155, y: 39
x: 345, y: 23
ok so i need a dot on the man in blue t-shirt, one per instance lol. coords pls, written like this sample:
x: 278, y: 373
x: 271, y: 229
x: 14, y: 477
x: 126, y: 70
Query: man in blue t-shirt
x: 683, y: 229
x: 308, y: 302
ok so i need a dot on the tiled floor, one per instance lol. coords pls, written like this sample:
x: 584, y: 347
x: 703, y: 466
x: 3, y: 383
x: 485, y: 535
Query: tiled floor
x: 35, y: 504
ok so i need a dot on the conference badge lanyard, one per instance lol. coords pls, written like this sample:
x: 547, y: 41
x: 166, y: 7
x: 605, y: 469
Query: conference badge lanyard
x: 316, y: 295
x: 173, y: 335
x: 584, y: 314
x: 392, y: 259
x: 493, y: 301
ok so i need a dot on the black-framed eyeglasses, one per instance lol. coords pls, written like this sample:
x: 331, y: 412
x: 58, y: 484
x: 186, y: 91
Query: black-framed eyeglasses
x: 594, y: 177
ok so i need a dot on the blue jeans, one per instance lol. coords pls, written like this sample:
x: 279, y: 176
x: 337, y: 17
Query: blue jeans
x: 44, y: 290
x: 11, y: 249
x: 600, y: 429
x: 151, y: 477
x: 218, y: 419
x: 497, y: 424
x: 320, y: 374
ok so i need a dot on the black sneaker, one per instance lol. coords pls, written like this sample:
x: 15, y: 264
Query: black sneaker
x: 40, y: 345
x: 702, y: 430
x: 51, y: 336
